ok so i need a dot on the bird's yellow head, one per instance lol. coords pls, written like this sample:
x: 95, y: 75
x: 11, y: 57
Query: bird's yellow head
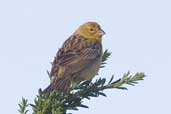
x: 90, y: 30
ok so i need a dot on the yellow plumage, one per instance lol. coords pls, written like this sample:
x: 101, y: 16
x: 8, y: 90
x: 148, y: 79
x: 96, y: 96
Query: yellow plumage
x: 79, y: 58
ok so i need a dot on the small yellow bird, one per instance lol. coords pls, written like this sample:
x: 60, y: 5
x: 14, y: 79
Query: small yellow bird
x: 79, y: 58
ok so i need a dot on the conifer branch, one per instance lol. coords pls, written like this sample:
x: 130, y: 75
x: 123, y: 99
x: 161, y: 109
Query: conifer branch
x: 22, y: 106
x: 60, y: 103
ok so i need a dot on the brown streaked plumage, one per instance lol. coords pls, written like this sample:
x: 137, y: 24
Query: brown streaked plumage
x: 79, y: 58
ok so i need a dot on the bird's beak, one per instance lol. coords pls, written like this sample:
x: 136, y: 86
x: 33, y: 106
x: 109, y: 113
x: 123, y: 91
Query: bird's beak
x: 101, y: 32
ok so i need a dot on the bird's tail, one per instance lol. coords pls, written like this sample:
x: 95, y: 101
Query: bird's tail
x: 59, y: 85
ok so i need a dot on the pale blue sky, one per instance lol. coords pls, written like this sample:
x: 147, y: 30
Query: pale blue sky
x: 138, y: 35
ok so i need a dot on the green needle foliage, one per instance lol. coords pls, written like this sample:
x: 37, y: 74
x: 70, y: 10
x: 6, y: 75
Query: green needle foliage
x: 22, y: 106
x: 60, y: 103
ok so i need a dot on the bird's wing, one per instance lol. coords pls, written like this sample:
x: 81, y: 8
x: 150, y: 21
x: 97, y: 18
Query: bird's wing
x: 75, y: 55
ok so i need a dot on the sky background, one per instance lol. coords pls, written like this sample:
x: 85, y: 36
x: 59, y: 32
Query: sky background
x: 138, y: 35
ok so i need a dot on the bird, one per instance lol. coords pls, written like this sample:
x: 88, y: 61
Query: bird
x: 78, y: 59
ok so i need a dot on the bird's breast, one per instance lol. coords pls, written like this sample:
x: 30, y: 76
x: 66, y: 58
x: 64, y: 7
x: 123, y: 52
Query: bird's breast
x: 89, y: 72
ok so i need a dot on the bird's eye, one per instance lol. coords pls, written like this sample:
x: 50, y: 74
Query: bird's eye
x: 92, y: 30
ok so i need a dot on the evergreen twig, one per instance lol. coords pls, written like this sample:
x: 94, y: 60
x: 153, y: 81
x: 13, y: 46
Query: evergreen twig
x: 60, y: 103
x: 22, y: 106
